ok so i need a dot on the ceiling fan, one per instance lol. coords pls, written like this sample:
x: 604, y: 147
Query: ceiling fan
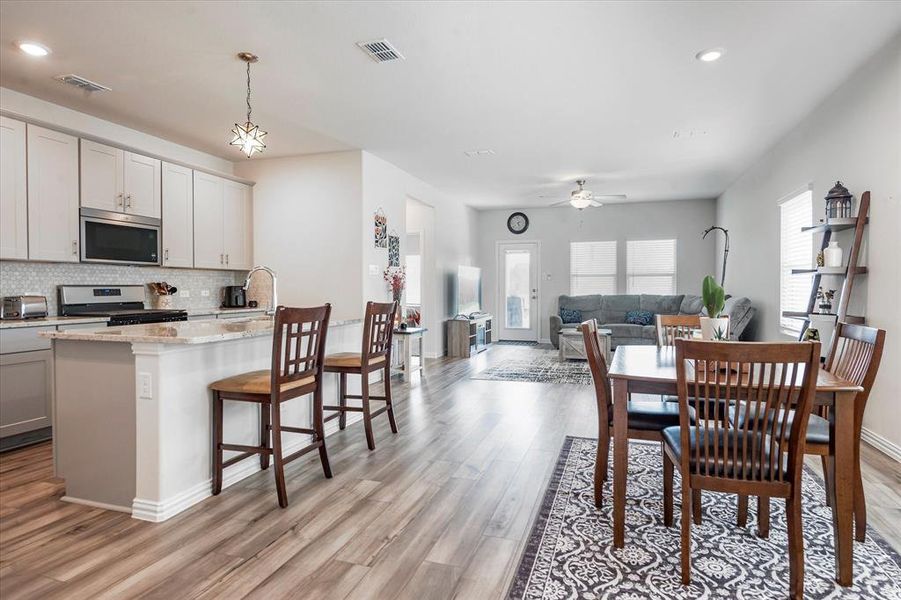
x: 582, y: 198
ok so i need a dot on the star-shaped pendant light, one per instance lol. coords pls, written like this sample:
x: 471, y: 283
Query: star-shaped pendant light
x: 248, y: 137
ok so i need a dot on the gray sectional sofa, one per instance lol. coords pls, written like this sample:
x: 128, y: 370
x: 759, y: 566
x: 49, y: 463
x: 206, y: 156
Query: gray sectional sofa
x: 610, y: 313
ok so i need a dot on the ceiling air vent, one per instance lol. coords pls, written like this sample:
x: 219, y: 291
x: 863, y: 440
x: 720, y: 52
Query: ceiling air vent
x: 380, y: 50
x: 82, y: 83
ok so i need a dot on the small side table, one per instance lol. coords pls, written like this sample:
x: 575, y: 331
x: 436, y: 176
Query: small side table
x: 406, y: 337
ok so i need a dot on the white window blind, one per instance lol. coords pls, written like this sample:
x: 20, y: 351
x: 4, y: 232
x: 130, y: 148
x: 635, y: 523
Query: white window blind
x: 414, y: 280
x: 651, y: 267
x: 795, y: 252
x: 592, y: 268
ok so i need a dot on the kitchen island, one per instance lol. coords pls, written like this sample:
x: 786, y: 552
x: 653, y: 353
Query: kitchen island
x: 132, y: 416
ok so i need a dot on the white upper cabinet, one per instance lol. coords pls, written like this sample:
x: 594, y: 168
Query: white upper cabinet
x: 121, y: 181
x: 142, y: 185
x: 209, y: 252
x: 13, y: 190
x: 102, y: 177
x: 223, y: 223
x: 52, y: 195
x: 178, y: 216
x: 237, y: 221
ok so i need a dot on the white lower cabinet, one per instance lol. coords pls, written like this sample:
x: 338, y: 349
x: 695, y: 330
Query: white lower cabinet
x: 26, y: 385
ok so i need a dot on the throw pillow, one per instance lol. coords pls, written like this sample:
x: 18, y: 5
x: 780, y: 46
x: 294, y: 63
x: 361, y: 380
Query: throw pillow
x: 639, y: 317
x: 571, y: 315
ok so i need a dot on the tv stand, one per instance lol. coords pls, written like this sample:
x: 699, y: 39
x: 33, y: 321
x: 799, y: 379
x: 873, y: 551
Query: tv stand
x: 467, y: 336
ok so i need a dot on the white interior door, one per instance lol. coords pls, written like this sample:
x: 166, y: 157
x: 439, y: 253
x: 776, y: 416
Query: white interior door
x: 518, y: 310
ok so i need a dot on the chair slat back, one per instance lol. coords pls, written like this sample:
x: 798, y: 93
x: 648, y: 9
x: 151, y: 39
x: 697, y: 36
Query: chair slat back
x: 762, y: 383
x: 378, y: 330
x: 854, y: 355
x: 298, y: 344
x: 597, y: 362
x: 672, y: 327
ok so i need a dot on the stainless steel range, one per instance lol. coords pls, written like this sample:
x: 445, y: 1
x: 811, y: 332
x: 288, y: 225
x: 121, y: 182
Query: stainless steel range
x: 123, y: 304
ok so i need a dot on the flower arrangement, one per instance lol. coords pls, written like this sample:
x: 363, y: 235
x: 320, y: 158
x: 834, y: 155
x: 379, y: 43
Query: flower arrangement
x: 396, y: 277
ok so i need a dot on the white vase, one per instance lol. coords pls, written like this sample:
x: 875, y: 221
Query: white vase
x: 710, y: 328
x: 832, y: 255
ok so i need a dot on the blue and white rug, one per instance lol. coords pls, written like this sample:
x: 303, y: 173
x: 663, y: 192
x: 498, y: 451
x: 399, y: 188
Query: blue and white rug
x: 570, y: 553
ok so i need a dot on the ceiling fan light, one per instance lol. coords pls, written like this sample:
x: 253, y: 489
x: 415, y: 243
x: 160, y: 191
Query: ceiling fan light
x: 579, y: 201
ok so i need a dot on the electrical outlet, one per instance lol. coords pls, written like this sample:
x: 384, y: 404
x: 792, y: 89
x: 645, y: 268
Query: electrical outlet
x: 145, y: 386
x: 184, y: 293
x: 374, y: 270
x: 204, y: 293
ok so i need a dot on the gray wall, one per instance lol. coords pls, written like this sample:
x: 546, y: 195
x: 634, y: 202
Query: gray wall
x: 855, y: 136
x: 557, y: 227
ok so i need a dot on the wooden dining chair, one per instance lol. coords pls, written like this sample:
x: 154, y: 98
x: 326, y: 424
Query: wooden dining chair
x: 647, y: 419
x: 378, y: 329
x: 298, y: 348
x: 753, y: 455
x: 672, y: 327
x: 854, y: 355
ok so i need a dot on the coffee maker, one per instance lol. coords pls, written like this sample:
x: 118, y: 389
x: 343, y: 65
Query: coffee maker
x: 234, y: 297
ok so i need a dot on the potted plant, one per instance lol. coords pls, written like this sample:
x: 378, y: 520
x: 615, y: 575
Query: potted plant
x: 714, y: 326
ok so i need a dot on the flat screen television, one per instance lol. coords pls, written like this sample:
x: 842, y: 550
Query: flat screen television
x: 469, y: 290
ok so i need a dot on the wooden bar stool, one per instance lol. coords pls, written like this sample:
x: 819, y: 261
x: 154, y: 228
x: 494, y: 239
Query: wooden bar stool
x: 378, y: 328
x: 298, y: 348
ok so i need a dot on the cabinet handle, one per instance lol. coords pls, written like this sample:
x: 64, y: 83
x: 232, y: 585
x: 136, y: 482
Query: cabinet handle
x: 166, y: 256
x: 119, y: 199
x: 221, y: 259
x: 128, y: 201
x: 75, y: 247
x: 226, y: 259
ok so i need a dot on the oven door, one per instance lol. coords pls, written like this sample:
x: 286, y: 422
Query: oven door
x: 110, y: 237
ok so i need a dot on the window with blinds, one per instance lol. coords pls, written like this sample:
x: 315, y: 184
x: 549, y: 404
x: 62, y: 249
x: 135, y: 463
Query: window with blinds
x: 414, y: 280
x: 592, y: 268
x: 795, y: 252
x: 651, y: 267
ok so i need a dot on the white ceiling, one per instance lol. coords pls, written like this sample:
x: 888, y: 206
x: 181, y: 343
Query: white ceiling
x: 559, y: 90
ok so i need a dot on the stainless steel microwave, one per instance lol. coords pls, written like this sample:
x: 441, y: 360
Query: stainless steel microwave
x: 112, y: 237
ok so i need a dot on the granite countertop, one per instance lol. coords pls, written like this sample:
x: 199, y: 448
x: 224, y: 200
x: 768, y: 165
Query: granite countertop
x: 180, y: 332
x: 50, y: 321
x: 55, y: 321
x: 199, y: 312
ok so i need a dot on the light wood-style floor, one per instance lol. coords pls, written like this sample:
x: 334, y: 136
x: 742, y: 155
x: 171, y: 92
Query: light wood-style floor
x: 440, y: 510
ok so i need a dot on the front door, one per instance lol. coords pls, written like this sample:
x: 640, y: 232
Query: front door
x: 518, y: 291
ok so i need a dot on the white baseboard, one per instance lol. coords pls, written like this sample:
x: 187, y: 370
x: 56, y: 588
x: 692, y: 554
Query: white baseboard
x: 157, y: 512
x: 544, y: 340
x: 94, y: 504
x: 889, y: 448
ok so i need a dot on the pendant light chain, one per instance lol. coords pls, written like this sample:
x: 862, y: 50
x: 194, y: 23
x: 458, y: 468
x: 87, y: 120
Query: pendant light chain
x: 248, y: 92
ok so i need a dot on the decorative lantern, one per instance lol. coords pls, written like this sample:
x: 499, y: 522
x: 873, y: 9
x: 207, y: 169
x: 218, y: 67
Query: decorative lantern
x: 838, y: 202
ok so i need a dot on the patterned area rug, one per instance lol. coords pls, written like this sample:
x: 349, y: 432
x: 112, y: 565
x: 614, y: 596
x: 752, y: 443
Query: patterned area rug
x: 570, y: 553
x: 538, y: 366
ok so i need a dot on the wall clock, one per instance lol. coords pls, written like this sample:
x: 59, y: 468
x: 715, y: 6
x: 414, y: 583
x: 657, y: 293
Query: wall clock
x: 517, y: 223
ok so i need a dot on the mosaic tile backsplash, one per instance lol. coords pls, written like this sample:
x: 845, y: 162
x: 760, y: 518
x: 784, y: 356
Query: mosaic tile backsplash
x: 42, y: 278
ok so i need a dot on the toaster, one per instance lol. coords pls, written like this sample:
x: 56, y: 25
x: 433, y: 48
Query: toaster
x: 24, y: 307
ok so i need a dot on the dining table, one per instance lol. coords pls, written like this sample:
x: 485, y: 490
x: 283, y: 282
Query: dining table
x: 652, y: 370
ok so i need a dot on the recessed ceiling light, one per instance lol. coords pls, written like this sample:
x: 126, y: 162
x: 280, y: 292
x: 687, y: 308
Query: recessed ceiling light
x: 34, y: 48
x: 710, y: 55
